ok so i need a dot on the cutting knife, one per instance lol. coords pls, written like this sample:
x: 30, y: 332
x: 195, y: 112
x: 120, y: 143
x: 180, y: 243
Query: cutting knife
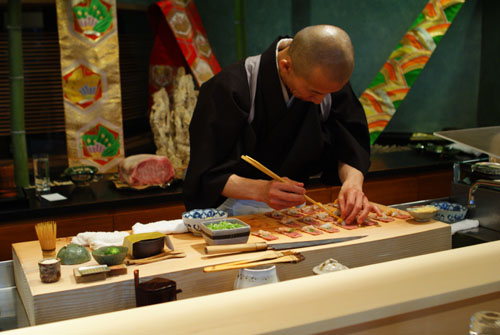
x: 215, y: 249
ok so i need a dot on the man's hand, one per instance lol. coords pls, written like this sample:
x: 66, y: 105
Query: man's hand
x: 283, y: 195
x: 352, y: 201
x: 275, y: 194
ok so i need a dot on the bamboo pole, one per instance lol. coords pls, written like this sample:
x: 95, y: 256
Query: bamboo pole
x: 240, y: 25
x: 18, y: 136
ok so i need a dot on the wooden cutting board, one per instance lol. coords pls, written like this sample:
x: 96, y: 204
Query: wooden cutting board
x: 67, y: 299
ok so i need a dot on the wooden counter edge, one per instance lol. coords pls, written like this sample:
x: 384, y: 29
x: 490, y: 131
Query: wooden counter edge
x: 317, y: 303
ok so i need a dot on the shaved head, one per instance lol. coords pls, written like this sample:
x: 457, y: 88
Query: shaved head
x: 325, y: 48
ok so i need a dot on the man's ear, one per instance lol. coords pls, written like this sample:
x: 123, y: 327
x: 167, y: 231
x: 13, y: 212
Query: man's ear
x: 285, y: 65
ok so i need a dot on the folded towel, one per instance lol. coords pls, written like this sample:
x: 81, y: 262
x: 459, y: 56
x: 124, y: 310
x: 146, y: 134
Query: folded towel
x: 164, y: 227
x: 97, y: 239
x: 463, y: 225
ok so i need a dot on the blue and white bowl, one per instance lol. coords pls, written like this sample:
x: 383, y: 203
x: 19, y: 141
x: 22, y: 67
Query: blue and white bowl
x: 193, y: 218
x: 449, y: 212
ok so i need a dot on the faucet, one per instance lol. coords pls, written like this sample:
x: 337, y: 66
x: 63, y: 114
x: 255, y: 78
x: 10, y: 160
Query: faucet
x: 476, y: 185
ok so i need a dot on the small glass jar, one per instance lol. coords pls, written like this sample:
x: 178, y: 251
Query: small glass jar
x: 485, y: 323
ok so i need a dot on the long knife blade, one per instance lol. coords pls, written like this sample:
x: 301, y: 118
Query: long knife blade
x: 293, y: 245
x: 214, y: 249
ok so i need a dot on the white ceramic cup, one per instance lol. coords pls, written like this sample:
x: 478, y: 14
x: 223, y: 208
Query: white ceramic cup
x: 259, y: 275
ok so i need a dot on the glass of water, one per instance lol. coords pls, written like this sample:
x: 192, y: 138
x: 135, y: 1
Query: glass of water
x: 41, y: 172
x: 485, y: 323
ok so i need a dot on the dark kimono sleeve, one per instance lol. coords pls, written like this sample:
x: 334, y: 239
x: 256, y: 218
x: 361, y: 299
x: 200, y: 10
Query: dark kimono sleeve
x: 219, y: 119
x: 350, y: 142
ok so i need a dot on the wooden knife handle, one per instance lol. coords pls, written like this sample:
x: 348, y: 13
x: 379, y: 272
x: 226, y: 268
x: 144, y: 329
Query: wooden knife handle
x: 215, y: 249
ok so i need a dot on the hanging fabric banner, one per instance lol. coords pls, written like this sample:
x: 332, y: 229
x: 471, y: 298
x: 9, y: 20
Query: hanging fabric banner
x: 180, y: 41
x: 88, y: 42
x: 391, y: 85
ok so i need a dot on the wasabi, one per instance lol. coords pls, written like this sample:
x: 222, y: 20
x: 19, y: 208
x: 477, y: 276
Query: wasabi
x: 223, y: 225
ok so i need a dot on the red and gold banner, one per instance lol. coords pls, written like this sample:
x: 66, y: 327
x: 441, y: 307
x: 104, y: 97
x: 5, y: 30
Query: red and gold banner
x: 180, y: 41
x: 88, y: 41
x: 391, y: 85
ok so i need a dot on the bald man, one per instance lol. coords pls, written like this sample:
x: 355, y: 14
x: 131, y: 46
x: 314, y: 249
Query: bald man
x: 292, y: 109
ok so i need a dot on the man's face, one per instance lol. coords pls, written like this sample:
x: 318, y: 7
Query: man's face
x: 311, y: 88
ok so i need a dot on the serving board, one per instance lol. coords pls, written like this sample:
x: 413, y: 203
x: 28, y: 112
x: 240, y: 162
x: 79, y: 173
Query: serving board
x: 68, y: 299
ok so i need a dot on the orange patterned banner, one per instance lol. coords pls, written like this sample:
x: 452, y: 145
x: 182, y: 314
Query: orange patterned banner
x: 88, y: 41
x: 391, y: 85
x: 180, y: 41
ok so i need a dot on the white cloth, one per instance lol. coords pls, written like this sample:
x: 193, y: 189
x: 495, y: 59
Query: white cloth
x: 97, y: 239
x: 164, y: 227
x: 463, y: 225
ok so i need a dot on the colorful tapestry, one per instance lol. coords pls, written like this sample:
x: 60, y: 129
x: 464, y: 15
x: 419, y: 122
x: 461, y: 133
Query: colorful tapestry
x: 88, y: 41
x: 391, y: 85
x: 180, y: 41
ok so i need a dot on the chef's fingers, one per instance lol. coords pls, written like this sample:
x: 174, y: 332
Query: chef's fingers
x: 281, y: 195
x: 292, y: 187
x: 367, y: 208
x: 293, y: 182
x: 374, y: 209
x: 354, y: 205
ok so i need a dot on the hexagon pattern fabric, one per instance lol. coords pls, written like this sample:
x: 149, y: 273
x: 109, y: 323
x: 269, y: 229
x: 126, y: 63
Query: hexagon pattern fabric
x: 88, y: 42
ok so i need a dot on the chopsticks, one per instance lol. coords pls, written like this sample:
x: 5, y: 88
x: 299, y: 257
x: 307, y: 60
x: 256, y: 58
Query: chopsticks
x: 273, y: 175
x: 270, y: 257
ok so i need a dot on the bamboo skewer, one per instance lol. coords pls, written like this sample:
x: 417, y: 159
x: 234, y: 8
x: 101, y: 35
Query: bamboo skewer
x: 46, y: 233
x: 273, y: 175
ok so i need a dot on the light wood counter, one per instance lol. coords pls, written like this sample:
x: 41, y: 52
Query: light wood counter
x: 427, y: 294
x: 67, y: 299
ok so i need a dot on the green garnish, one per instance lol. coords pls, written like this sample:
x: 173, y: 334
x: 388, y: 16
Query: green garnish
x: 112, y: 251
x: 223, y: 225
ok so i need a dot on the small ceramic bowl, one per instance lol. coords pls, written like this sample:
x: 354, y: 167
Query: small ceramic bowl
x: 422, y: 213
x: 225, y: 236
x: 330, y: 265
x: 102, y: 257
x: 193, y: 218
x: 449, y: 212
x: 81, y: 175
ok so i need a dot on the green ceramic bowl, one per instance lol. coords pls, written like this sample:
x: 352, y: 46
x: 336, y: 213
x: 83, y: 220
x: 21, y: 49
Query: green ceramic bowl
x: 81, y: 175
x: 102, y: 257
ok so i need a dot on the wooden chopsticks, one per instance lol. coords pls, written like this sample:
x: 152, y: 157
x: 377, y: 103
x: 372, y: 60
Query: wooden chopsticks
x: 269, y: 257
x: 273, y: 175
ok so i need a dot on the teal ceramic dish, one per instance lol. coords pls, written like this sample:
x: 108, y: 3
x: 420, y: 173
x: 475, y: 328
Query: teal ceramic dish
x: 109, y: 257
x: 81, y: 175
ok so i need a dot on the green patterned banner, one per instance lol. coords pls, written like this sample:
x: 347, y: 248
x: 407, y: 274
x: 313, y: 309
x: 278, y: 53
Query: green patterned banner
x: 391, y: 85
x: 88, y: 41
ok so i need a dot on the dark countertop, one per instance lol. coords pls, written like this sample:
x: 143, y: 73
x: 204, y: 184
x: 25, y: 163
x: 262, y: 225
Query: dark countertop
x: 104, y: 195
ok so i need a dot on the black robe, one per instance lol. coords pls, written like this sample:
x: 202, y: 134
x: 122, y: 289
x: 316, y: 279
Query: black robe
x: 293, y: 142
